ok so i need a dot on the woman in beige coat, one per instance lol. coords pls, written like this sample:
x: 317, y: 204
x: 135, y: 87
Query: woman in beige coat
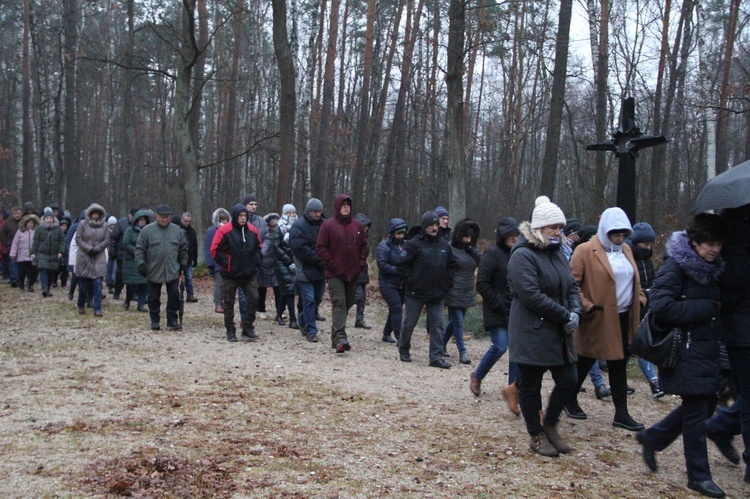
x: 612, y: 298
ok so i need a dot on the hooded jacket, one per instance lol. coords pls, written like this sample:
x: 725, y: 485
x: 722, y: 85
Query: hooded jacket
x: 209, y: 238
x: 236, y: 248
x: 387, y: 255
x: 342, y: 244
x: 462, y: 293
x: 303, y: 237
x: 492, y: 276
x: 598, y: 335
x: 643, y: 233
x: 686, y: 293
x: 92, y: 235
x: 283, y: 266
x: 427, y: 264
x: 364, y: 276
x: 20, y: 247
x: 49, y: 241
x: 544, y: 295
x: 163, y: 252
x: 130, y: 273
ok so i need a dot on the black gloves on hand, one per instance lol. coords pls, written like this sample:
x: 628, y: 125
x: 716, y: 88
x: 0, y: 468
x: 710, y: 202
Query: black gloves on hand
x: 94, y: 252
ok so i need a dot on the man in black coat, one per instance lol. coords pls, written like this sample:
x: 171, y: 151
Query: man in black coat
x: 116, y: 249
x: 192, y: 242
x: 427, y: 266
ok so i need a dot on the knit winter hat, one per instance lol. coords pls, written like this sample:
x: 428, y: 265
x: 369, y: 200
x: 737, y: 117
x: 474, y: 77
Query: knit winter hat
x: 643, y: 233
x: 111, y: 220
x: 572, y: 225
x: 314, y: 205
x: 271, y: 217
x: 48, y: 212
x: 547, y: 213
x: 287, y: 208
x: 249, y: 198
x: 441, y: 212
x: 429, y: 218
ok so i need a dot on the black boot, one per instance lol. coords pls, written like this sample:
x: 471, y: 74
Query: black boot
x: 231, y: 335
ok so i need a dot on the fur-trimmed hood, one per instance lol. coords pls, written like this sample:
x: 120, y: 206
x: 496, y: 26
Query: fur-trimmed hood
x: 25, y: 219
x: 217, y: 213
x: 533, y: 238
x: 102, y: 218
x: 52, y: 225
x: 680, y: 249
x: 466, y: 227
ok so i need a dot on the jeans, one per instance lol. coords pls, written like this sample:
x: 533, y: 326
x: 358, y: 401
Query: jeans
x: 137, y: 292
x: 310, y: 295
x: 360, y: 298
x: 217, y: 289
x: 499, y: 337
x: 647, y: 368
x: 455, y: 328
x: 13, y: 269
x: 530, y: 394
x: 90, y: 288
x: 189, y: 281
x: 688, y: 419
x: 241, y: 298
x: 595, y: 374
x: 111, y: 273
x: 412, y: 310
x: 394, y: 297
x: 735, y: 420
x: 173, y: 301
x: 342, y: 299
x: 250, y: 290
x: 44, y: 278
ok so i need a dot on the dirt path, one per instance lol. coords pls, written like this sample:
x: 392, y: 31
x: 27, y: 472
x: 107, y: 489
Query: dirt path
x: 92, y: 407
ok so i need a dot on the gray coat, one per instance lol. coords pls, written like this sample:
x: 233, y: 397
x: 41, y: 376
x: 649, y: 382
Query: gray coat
x: 544, y: 294
x: 92, y: 234
x: 163, y: 250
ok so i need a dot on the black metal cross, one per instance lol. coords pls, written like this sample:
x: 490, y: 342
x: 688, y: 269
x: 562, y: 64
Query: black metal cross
x: 625, y: 143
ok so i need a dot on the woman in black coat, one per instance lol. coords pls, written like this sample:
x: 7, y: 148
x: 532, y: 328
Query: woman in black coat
x: 686, y: 294
x: 390, y: 282
x: 284, y: 269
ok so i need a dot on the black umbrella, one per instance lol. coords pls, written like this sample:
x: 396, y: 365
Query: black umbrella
x: 730, y: 189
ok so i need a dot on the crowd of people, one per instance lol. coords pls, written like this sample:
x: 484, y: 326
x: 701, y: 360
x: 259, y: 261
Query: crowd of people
x: 561, y: 297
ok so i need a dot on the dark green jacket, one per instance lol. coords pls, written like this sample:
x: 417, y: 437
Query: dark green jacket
x: 49, y: 241
x: 163, y: 250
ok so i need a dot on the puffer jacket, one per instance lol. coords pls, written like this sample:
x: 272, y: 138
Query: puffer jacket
x: 686, y: 293
x: 237, y: 248
x: 492, y: 277
x: 210, y: 233
x: 116, y: 248
x: 283, y: 263
x: 20, y: 248
x: 463, y: 294
x: 130, y: 273
x: 92, y: 234
x: 387, y: 256
x: 49, y: 242
x: 163, y: 251
x: 266, y: 275
x: 303, y: 237
x: 544, y: 295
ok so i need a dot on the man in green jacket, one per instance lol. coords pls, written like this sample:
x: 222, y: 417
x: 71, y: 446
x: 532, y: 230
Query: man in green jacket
x: 161, y: 254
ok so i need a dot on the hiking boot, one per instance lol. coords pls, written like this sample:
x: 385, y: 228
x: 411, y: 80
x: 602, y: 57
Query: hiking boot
x: 219, y: 309
x: 475, y: 385
x: 361, y: 325
x: 155, y: 326
x: 464, y: 358
x: 656, y: 391
x: 602, y: 391
x: 231, y: 335
x: 542, y: 446
x: 510, y: 394
x: 405, y: 357
x: 174, y: 326
x: 248, y: 334
x: 442, y: 364
x: 319, y: 317
x: 190, y: 299
x: 293, y: 325
x: 556, y: 440
x: 280, y: 321
x: 574, y: 411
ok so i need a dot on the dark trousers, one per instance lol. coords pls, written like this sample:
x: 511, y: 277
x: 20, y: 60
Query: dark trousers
x: 288, y: 302
x: 360, y: 298
x: 229, y: 290
x: 394, y: 297
x: 412, y: 311
x: 342, y: 299
x: 735, y: 420
x: 118, y: 276
x: 173, y: 301
x: 529, y: 385
x: 688, y: 419
x: 26, y: 273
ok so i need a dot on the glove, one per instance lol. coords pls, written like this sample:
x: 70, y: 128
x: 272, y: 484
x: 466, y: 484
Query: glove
x: 143, y: 270
x: 572, y: 323
x: 94, y: 252
x: 293, y: 268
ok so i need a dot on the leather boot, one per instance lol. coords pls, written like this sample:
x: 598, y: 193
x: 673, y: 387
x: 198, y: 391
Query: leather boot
x: 231, y: 335
x: 556, y: 440
x: 475, y: 385
x: 542, y: 446
x: 510, y: 394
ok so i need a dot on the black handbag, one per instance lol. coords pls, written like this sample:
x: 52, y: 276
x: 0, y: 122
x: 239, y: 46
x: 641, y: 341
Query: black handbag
x: 659, y: 346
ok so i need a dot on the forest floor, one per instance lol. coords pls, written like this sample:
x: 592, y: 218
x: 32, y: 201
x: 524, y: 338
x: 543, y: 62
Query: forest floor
x: 94, y: 407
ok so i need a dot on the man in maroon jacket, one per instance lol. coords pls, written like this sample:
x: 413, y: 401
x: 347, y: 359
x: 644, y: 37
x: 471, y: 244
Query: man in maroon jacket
x: 342, y: 247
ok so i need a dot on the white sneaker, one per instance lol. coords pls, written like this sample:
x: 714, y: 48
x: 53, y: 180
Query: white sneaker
x: 262, y: 315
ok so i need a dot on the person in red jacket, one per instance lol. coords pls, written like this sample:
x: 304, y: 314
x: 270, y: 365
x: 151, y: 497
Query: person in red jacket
x: 342, y: 247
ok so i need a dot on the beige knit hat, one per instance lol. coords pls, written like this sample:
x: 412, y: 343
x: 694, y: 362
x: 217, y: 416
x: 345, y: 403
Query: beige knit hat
x: 547, y: 214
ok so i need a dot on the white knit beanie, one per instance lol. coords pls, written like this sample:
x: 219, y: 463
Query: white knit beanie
x: 287, y: 208
x: 111, y: 220
x: 540, y: 200
x: 547, y: 213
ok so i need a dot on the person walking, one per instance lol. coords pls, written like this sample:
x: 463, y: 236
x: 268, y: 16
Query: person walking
x: 251, y: 203
x: 136, y: 284
x: 390, y: 282
x: 544, y: 313
x: 117, y: 251
x: 266, y: 275
x: 92, y: 240
x: 219, y: 217
x: 462, y: 294
x: 285, y: 270
x: 236, y: 249
x: 47, y: 249
x: 342, y: 248
x: 686, y: 294
x: 7, y: 233
x: 160, y: 255
x: 360, y: 291
x: 492, y: 284
x: 185, y: 223
x: 612, y: 298
x: 310, y: 273
x: 20, y: 252
x: 427, y: 266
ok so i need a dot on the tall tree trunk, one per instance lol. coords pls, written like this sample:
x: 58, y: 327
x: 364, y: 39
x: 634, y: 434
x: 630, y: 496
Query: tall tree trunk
x: 364, y: 110
x: 557, y: 99
x: 287, y: 104
x: 29, y: 190
x: 454, y: 151
x: 722, y: 159
x: 601, y: 71
x: 71, y: 169
x: 709, y: 114
x: 128, y: 132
